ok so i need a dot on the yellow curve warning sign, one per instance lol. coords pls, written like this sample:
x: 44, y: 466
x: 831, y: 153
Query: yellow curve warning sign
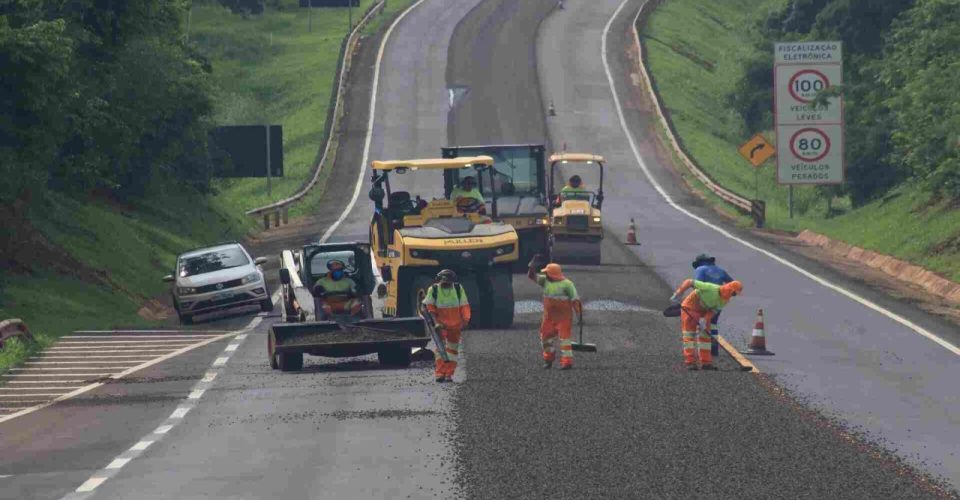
x: 757, y: 150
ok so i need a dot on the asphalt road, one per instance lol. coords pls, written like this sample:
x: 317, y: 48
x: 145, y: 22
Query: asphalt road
x: 628, y: 421
x: 836, y: 354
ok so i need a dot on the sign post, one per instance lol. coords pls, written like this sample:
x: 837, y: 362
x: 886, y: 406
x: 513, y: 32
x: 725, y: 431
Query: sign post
x: 809, y: 130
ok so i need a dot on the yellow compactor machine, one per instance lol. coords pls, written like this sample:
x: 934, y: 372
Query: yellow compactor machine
x: 576, y: 224
x: 413, y: 239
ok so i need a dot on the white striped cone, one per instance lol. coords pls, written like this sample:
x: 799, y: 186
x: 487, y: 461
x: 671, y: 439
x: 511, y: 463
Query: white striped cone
x: 758, y: 339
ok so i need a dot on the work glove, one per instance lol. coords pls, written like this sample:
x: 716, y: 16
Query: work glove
x: 674, y: 299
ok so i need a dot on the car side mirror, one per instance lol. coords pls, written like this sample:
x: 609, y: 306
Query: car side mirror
x: 386, y: 273
x: 284, y: 276
x: 169, y: 278
x: 381, y: 290
x: 260, y: 261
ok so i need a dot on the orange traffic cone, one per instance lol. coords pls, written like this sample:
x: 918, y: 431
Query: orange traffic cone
x: 758, y: 340
x: 632, y: 234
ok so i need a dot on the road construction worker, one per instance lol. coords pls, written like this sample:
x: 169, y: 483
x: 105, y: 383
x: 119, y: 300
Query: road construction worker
x: 706, y: 300
x: 447, y: 301
x: 574, y: 189
x: 560, y: 301
x: 467, y: 197
x: 706, y: 269
x: 336, y: 292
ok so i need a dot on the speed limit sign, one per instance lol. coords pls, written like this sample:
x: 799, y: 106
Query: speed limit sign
x: 797, y: 89
x: 810, y: 154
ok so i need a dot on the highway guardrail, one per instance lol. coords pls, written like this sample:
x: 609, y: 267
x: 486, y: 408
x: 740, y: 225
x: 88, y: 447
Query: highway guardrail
x: 742, y: 203
x: 280, y: 209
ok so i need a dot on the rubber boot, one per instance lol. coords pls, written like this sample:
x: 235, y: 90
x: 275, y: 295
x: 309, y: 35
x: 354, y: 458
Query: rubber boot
x: 547, y: 365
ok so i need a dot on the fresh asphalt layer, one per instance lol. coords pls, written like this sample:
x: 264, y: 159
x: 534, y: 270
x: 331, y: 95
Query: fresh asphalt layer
x: 628, y: 421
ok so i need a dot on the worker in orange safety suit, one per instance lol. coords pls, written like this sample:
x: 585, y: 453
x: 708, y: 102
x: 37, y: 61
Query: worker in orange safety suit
x: 560, y: 300
x: 447, y: 301
x: 706, y: 300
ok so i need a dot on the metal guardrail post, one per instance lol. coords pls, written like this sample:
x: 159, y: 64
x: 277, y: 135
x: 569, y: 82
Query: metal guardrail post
x: 758, y: 210
x: 276, y: 219
x: 286, y: 215
x: 266, y: 221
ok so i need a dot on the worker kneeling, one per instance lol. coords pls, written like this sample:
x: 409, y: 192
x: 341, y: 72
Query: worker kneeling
x: 706, y: 300
x: 447, y: 301
x: 336, y: 293
x: 560, y: 300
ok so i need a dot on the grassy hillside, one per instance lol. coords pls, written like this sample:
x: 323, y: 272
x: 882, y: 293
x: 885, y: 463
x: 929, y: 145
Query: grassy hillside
x: 695, y: 49
x: 270, y: 68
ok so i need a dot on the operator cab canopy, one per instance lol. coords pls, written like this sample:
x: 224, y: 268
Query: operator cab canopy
x: 400, y: 199
x: 588, y: 167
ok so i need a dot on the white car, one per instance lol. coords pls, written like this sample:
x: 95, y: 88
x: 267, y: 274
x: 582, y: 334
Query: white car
x: 217, y: 277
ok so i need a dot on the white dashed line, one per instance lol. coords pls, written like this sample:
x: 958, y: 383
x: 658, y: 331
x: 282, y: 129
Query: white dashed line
x: 220, y: 361
x: 196, y: 394
x: 231, y: 347
x: 180, y: 412
x: 140, y: 446
x: 91, y: 484
x: 209, y: 376
x: 163, y: 429
x: 117, y: 463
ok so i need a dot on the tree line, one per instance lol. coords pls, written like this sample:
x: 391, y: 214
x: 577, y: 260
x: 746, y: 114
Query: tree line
x: 100, y: 95
x: 901, y: 68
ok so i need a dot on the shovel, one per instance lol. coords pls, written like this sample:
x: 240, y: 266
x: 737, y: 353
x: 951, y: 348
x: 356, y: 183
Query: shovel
x: 580, y: 346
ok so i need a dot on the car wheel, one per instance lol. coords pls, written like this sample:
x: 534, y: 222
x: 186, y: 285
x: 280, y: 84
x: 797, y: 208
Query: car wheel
x: 266, y: 305
x: 185, y: 319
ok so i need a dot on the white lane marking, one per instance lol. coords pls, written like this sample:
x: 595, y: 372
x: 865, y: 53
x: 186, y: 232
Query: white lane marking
x: 656, y: 185
x: 74, y: 368
x: 196, y: 394
x: 222, y: 360
x: 209, y: 376
x: 44, y: 382
x: 180, y: 412
x: 120, y: 375
x: 232, y: 347
x: 141, y: 445
x: 91, y: 484
x: 36, y: 388
x: 373, y: 112
x: 117, y: 463
x: 124, y: 342
x: 241, y: 336
x: 29, y: 395
x: 127, y: 362
x: 163, y: 429
x: 71, y: 337
x: 65, y: 356
x: 117, y: 348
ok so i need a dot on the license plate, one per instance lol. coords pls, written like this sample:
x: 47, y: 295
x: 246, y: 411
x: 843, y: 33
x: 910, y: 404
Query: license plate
x: 221, y: 296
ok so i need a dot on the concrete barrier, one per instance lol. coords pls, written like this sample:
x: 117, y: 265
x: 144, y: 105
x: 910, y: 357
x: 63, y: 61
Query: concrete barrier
x: 902, y: 270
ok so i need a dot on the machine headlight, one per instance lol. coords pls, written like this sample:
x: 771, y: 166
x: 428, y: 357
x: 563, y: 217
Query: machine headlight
x: 558, y: 220
x: 186, y: 290
x: 419, y: 254
x: 596, y: 219
x: 503, y: 250
x: 541, y: 222
x: 250, y: 278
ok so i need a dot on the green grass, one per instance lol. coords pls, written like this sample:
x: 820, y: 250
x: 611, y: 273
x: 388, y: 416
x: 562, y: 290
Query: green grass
x: 270, y: 68
x: 694, y: 49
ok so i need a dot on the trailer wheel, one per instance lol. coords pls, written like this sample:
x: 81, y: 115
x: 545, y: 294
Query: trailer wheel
x: 501, y: 297
x: 271, y: 342
x: 290, y: 361
x: 396, y: 356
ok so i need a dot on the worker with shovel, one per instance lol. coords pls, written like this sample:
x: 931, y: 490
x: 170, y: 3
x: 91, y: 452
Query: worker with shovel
x: 446, y: 301
x: 560, y: 300
x: 706, y: 300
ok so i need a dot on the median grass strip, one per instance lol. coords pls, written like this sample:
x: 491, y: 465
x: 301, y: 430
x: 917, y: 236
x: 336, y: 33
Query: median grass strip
x: 695, y: 51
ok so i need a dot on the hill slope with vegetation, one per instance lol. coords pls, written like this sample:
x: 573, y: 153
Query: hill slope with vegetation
x: 713, y: 66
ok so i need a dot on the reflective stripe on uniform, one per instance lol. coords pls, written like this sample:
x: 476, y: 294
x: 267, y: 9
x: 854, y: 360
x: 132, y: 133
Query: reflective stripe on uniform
x: 446, y: 297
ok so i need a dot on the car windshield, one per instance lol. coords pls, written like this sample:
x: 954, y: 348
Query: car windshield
x: 212, y: 261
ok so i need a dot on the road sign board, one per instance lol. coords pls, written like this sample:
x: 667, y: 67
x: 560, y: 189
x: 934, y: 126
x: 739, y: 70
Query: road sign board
x: 796, y: 88
x: 808, y: 53
x: 809, y: 134
x: 757, y: 150
x: 810, y: 154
